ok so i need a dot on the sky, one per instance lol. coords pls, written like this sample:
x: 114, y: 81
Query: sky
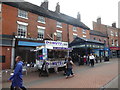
x: 90, y: 10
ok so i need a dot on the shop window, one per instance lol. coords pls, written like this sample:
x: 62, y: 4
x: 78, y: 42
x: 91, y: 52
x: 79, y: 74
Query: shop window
x: 2, y: 59
x: 41, y: 19
x: 22, y: 14
x: 75, y: 29
x: 22, y: 31
x: 59, y: 24
x: 59, y: 36
x: 40, y: 33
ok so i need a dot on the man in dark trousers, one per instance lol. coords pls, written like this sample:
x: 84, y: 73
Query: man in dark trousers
x: 44, y: 70
x: 16, y: 78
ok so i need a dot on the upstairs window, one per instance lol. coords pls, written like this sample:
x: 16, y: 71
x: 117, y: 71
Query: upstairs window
x: 22, y: 14
x: 59, y: 36
x: 22, y: 31
x: 59, y: 24
x: 83, y: 31
x: 113, y: 43
x: 74, y: 35
x: 41, y: 31
x: 112, y: 33
x: 116, y: 34
x: 94, y: 38
x: 41, y: 19
x: 75, y: 29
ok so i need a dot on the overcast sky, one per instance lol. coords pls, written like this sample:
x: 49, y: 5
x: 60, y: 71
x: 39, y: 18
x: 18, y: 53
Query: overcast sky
x: 90, y: 10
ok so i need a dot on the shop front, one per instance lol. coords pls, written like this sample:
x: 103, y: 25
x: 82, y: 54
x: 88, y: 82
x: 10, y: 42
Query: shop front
x: 25, y: 49
x: 82, y: 46
x: 115, y: 52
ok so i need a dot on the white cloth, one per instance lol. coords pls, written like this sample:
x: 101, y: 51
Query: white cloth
x: 92, y: 57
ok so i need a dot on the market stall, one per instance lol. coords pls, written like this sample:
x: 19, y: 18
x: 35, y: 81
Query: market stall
x: 54, y: 52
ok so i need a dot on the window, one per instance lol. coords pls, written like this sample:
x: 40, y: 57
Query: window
x: 112, y: 42
x: 84, y: 31
x: 94, y: 38
x: 41, y: 19
x: 59, y: 36
x: 105, y: 41
x: 74, y: 35
x: 116, y: 34
x: 117, y: 43
x: 75, y: 29
x: 112, y: 33
x: 22, y: 14
x: 84, y: 36
x: 59, y: 24
x: 22, y: 31
x: 2, y: 59
x: 100, y: 40
x: 41, y: 31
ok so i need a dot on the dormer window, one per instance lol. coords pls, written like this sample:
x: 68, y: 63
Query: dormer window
x: 59, y: 24
x: 41, y: 19
x: 22, y: 14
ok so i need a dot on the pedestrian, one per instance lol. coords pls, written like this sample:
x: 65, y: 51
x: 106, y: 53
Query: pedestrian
x: 44, y: 70
x: 65, y: 68
x: 69, y: 66
x: 84, y: 59
x: 16, y: 78
x: 88, y: 60
x: 92, y: 58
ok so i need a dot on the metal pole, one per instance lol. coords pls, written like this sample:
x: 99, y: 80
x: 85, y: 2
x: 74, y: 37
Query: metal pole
x: 13, y: 53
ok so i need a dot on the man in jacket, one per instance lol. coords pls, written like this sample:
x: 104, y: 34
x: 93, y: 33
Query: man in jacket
x: 16, y: 78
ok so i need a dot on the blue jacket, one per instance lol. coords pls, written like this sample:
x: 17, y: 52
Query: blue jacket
x: 17, y: 76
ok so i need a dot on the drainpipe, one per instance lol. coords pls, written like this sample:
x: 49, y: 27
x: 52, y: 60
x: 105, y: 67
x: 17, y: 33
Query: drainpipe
x: 13, y: 53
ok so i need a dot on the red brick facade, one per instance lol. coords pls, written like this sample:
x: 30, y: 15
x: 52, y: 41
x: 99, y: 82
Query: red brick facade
x: 10, y: 25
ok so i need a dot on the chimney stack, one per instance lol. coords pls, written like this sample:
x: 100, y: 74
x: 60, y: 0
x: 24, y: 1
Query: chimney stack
x: 57, y: 8
x: 79, y: 16
x: 99, y: 20
x: 45, y: 4
x: 114, y: 25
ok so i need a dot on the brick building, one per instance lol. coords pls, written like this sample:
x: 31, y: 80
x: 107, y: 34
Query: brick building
x: 25, y: 26
x: 113, y: 36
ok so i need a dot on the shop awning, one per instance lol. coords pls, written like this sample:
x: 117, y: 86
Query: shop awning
x: 115, y: 48
x: 25, y: 43
x: 79, y: 42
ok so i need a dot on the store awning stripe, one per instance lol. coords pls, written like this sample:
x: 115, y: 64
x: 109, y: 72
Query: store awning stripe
x: 24, y: 43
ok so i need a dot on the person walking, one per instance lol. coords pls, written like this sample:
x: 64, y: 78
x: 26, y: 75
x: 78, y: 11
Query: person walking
x: 92, y: 58
x: 16, y: 78
x: 69, y: 66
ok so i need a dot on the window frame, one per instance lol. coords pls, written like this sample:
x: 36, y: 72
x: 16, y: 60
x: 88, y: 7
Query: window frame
x: 58, y: 24
x: 40, y: 20
x: 22, y: 11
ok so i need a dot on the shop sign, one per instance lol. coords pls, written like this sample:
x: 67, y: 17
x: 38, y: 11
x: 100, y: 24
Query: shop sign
x: 51, y: 44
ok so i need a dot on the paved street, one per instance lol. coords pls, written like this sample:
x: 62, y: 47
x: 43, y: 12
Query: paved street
x: 101, y: 75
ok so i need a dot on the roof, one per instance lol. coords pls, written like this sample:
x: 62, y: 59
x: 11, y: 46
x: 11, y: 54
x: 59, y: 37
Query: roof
x: 80, y: 40
x: 47, y: 13
x: 97, y: 33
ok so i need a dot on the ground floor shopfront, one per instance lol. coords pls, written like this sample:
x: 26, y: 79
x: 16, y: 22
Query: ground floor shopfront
x: 82, y: 46
x: 115, y: 52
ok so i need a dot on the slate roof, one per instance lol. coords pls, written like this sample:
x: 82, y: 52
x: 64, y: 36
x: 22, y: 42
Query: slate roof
x: 81, y: 40
x: 97, y: 33
x: 47, y: 13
